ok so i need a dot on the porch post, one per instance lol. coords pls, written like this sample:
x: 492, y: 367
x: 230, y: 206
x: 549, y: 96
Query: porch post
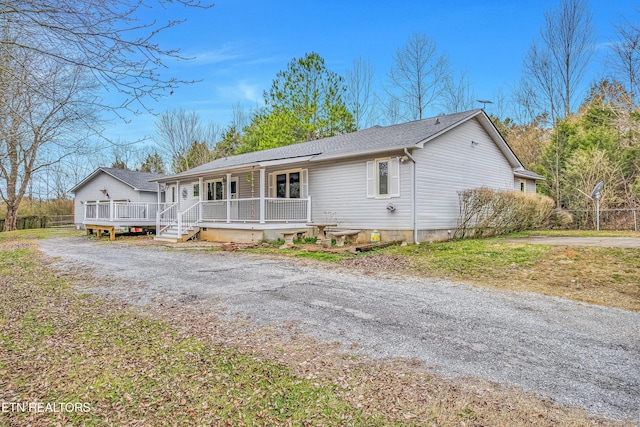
x: 111, y: 210
x: 308, y: 208
x: 227, y: 191
x: 178, y: 194
x: 158, y: 209
x: 200, y: 188
x: 179, y: 217
x: 84, y: 217
x: 262, y: 202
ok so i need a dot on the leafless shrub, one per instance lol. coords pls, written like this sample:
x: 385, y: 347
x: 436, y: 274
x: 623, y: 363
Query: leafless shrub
x: 486, y: 213
x: 559, y: 218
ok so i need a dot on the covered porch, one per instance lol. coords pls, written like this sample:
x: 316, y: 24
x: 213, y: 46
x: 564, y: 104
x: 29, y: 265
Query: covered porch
x: 245, y: 199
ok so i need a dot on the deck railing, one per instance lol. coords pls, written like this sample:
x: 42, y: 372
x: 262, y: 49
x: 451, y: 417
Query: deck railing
x: 165, y: 215
x: 122, y: 211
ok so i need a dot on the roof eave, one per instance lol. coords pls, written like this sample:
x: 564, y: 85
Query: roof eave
x: 185, y: 175
x: 362, y: 153
x: 523, y: 173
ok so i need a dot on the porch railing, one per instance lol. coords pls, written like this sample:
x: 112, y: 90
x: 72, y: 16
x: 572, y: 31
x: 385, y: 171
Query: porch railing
x: 248, y: 210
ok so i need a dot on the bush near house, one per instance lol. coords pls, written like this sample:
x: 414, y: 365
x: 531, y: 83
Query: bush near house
x: 487, y: 213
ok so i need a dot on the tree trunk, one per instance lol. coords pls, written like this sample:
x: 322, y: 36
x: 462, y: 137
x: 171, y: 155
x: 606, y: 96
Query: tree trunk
x: 11, y: 220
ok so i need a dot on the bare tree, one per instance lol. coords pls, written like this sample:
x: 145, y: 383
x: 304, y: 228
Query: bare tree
x: 418, y: 75
x: 176, y: 133
x: 44, y: 116
x: 458, y: 94
x: 626, y: 63
x: 50, y: 69
x: 391, y: 113
x: 113, y: 40
x: 240, y: 117
x: 555, y: 68
x: 359, y: 96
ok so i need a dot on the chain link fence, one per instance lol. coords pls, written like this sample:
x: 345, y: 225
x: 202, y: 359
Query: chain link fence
x: 610, y: 219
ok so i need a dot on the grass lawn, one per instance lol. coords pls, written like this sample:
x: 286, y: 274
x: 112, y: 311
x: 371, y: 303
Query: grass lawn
x: 603, y: 276
x: 596, y: 275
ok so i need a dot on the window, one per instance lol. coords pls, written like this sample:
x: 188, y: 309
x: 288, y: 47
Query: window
x: 523, y: 185
x: 383, y: 178
x: 234, y: 188
x: 196, y: 190
x: 288, y: 184
x: 215, y: 190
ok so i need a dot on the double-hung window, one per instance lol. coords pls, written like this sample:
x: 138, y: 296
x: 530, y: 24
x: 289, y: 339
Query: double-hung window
x: 290, y: 184
x: 215, y: 189
x: 383, y: 178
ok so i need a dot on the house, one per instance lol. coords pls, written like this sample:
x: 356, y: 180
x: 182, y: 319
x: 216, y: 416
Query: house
x: 110, y: 198
x: 401, y: 180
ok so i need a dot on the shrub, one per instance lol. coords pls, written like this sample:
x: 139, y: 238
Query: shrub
x: 487, y: 213
x: 559, y: 218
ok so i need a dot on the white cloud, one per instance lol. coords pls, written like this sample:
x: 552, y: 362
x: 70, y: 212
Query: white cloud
x: 242, y: 91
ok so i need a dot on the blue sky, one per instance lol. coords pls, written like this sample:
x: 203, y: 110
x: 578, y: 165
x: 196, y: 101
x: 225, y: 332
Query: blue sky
x: 240, y: 45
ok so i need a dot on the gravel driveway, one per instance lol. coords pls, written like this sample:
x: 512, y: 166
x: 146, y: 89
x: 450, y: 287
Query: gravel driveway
x: 575, y: 353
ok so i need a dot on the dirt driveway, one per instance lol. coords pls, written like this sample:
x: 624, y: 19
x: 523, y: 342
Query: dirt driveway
x: 608, y: 242
x: 574, y: 353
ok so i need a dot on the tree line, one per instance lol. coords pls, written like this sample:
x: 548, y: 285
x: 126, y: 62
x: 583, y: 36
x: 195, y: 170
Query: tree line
x: 49, y: 113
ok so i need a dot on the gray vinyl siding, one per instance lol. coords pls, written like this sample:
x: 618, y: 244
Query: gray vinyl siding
x: 451, y: 163
x: 339, y: 194
x: 529, y: 185
x: 116, y: 189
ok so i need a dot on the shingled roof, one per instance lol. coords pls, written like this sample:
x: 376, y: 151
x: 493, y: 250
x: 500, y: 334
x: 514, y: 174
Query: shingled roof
x: 371, y: 140
x: 139, y: 181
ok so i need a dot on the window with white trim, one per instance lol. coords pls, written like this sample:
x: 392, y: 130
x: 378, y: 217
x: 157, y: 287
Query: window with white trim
x: 383, y: 178
x: 215, y: 189
x: 233, y: 188
x: 289, y: 184
x: 196, y: 190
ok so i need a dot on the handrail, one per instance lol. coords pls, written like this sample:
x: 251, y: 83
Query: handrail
x: 189, y: 217
x: 166, y: 218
